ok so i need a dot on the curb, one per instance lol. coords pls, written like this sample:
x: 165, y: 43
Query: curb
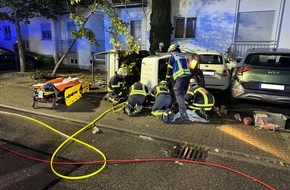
x: 212, y: 151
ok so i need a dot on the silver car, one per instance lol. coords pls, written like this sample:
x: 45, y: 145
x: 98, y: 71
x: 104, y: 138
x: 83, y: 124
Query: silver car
x: 214, y: 68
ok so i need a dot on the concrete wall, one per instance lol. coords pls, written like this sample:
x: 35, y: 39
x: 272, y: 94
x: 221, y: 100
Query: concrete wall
x: 215, y: 26
x: 38, y: 45
x: 85, y: 47
x: 214, y: 23
x: 7, y: 43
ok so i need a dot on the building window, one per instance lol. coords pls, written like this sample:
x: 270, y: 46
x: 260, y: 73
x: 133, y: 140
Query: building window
x: 46, y: 31
x: 135, y: 30
x: 185, y: 27
x: 261, y: 22
x: 7, y: 32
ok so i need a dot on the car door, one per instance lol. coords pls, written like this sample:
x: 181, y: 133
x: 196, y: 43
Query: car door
x: 7, y: 59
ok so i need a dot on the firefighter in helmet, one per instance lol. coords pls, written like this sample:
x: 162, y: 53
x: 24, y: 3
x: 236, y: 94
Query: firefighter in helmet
x: 196, y: 72
x: 162, y: 102
x: 199, y: 100
x: 116, y: 88
x: 178, y: 76
x: 136, y: 100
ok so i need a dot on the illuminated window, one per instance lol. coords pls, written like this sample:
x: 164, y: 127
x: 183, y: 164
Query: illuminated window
x: 185, y: 27
x: 45, y: 31
x: 7, y: 32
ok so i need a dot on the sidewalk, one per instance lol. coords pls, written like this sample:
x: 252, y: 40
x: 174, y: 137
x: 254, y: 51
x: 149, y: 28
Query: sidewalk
x: 226, y: 137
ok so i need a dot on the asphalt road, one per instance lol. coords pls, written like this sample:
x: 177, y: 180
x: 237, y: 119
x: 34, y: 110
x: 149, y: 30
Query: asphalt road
x: 134, y: 162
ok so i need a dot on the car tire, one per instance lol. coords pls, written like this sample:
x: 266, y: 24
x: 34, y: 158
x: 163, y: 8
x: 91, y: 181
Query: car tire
x: 30, y: 64
x: 232, y: 102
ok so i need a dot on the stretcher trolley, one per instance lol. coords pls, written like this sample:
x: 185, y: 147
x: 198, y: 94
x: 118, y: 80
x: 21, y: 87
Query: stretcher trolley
x: 68, y: 89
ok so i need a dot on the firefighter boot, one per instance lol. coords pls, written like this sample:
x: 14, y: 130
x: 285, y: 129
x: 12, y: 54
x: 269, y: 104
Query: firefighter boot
x: 165, y: 117
x: 201, y: 113
x: 138, y: 109
x: 170, y: 114
x: 128, y: 109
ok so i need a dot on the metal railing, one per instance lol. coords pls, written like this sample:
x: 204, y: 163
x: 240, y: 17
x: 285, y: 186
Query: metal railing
x: 239, y: 48
x: 137, y: 3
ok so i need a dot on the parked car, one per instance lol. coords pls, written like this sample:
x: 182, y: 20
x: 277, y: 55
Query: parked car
x: 214, y: 68
x: 7, y: 59
x: 263, y: 74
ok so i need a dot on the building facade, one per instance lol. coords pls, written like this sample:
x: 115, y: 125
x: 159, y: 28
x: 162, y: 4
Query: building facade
x: 217, y: 25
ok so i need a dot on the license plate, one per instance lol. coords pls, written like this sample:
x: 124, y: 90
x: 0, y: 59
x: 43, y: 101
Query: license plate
x: 272, y: 86
x: 208, y: 73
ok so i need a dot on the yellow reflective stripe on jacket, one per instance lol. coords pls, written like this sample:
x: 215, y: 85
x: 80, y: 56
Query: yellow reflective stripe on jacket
x: 206, y: 105
x: 140, y: 92
x: 181, y: 71
x: 158, y: 91
x: 189, y: 92
x: 157, y: 113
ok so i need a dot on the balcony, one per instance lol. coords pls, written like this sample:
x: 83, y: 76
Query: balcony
x: 239, y: 48
x: 131, y: 3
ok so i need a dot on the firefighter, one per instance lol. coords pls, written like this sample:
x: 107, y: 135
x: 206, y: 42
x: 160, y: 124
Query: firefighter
x: 199, y: 100
x: 196, y: 72
x: 116, y: 88
x: 162, y: 102
x: 179, y: 74
x: 137, y: 98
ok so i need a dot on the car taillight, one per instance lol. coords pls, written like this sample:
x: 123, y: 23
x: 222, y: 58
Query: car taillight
x: 225, y: 73
x: 240, y: 70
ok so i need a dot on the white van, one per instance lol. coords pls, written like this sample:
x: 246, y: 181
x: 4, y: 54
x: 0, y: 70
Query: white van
x: 153, y: 69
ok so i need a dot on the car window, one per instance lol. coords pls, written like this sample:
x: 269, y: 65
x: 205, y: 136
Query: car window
x: 211, y: 59
x: 269, y: 60
x: 5, y: 52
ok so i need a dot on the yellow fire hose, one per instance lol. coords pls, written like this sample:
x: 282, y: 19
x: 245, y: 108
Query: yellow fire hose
x: 68, y: 138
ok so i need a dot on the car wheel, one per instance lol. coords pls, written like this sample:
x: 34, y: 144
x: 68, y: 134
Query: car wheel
x: 30, y: 64
x: 232, y: 102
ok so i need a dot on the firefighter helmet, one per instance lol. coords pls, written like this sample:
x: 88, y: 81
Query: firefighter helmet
x: 173, y: 47
x: 163, y: 83
x: 192, y: 82
x: 122, y: 71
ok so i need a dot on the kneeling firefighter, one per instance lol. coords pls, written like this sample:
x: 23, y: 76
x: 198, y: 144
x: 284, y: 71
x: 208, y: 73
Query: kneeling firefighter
x: 116, y: 88
x: 163, y: 101
x: 200, y: 100
x: 136, y: 100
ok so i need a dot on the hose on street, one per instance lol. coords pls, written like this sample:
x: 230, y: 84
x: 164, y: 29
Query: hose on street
x: 104, y: 160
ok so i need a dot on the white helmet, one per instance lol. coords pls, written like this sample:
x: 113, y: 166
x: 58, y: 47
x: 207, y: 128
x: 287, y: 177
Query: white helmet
x: 161, y: 44
x: 172, y: 47
x: 163, y: 83
x: 192, y: 82
x: 122, y: 71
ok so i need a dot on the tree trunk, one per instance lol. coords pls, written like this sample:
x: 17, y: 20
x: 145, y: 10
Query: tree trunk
x: 20, y: 45
x: 161, y: 26
x: 85, y: 13
x: 62, y: 58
